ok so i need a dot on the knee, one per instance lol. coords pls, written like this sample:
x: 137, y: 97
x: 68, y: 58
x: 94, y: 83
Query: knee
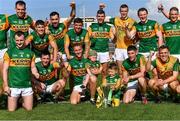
x: 73, y: 102
x: 173, y: 85
x: 93, y: 79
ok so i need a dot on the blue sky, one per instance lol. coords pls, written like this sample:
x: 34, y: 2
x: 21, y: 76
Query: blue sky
x: 40, y: 9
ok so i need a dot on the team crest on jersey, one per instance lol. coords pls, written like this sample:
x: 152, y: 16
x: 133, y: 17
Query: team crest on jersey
x: 81, y: 65
x: 27, y: 55
x: 105, y: 29
x: 100, y: 28
x: 82, y: 38
x: 144, y: 28
x: 21, y: 54
x: 60, y: 29
x: 136, y: 65
x: 174, y: 26
x: 20, y: 22
x: 49, y: 70
x: 26, y: 21
x: 150, y: 27
x: 77, y: 38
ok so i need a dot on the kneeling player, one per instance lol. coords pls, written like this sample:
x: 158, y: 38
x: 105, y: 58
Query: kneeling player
x: 165, y: 69
x: 133, y: 75
x: 18, y: 64
x: 48, y: 79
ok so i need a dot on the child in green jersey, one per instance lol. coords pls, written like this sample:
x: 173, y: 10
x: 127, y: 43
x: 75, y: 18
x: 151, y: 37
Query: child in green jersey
x: 110, y: 88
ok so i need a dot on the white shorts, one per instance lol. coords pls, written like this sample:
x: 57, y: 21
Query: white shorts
x: 176, y: 55
x: 77, y: 88
x: 132, y: 85
x: 120, y: 54
x: 103, y: 57
x: 49, y: 88
x: 64, y: 57
x: 165, y: 87
x: 16, y: 92
x: 146, y: 55
x: 2, y: 52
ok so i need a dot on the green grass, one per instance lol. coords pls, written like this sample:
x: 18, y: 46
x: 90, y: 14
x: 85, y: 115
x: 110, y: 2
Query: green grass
x: 86, y: 111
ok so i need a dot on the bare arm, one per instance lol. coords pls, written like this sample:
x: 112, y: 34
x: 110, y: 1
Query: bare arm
x: 53, y: 44
x: 171, y: 78
x: 130, y: 34
x: 34, y: 70
x: 159, y: 35
x: 148, y: 64
x: 66, y: 46
x: 87, y: 45
x: 161, y: 8
x: 5, y: 73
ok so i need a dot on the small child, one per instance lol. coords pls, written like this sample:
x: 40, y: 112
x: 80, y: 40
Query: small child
x: 94, y: 68
x: 111, y: 88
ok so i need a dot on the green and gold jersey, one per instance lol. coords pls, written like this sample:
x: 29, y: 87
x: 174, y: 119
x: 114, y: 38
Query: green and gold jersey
x: 74, y: 38
x: 122, y: 40
x: 171, y: 33
x: 165, y: 70
x: 3, y: 30
x: 47, y: 74
x: 18, y: 24
x: 134, y: 67
x: 90, y: 64
x: 39, y: 44
x: 78, y: 70
x: 19, y: 72
x: 113, y: 80
x: 59, y: 34
x: 99, y: 36
x: 146, y: 34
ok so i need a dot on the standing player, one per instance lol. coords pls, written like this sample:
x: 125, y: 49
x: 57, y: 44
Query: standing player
x: 19, y: 21
x: 78, y: 35
x: 19, y: 64
x: 165, y: 69
x: 3, y: 37
x: 100, y: 33
x: 58, y: 30
x: 122, y: 41
x: 171, y: 32
x: 133, y: 75
x: 41, y: 41
x: 148, y: 33
x: 166, y: 14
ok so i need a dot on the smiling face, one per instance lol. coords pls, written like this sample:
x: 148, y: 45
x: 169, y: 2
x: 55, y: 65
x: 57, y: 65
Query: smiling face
x: 40, y: 29
x: 164, y: 54
x: 45, y: 60
x: 132, y: 55
x: 173, y: 14
x: 55, y: 20
x: 20, y: 10
x: 124, y: 12
x: 19, y: 41
x: 78, y: 51
x: 78, y: 27
x: 143, y: 16
x: 100, y: 18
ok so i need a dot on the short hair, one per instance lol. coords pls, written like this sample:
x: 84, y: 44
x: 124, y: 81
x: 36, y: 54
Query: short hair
x: 19, y: 33
x: 77, y: 44
x: 20, y: 2
x: 132, y: 47
x: 54, y: 13
x: 39, y: 22
x: 142, y: 9
x: 113, y: 66
x: 163, y: 47
x: 175, y: 9
x: 124, y: 6
x: 46, y: 52
x: 100, y: 12
x: 78, y: 20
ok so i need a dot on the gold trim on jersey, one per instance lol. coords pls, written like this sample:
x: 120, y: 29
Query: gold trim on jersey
x: 79, y: 72
x: 20, y: 62
x: 170, y: 33
x: 101, y: 35
x: 3, y: 26
x: 146, y: 34
x: 134, y: 71
x: 48, y: 76
x: 41, y: 47
x: 23, y: 28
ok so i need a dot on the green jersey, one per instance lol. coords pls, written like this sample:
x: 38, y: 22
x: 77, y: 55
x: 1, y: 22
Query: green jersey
x: 146, y: 34
x: 90, y: 64
x: 113, y: 80
x: 74, y: 38
x: 78, y: 70
x: 59, y: 34
x: 134, y: 67
x: 47, y: 74
x: 18, y: 24
x: 19, y: 72
x: 171, y: 33
x: 3, y: 31
x: 99, y: 36
x: 39, y: 44
x: 165, y: 70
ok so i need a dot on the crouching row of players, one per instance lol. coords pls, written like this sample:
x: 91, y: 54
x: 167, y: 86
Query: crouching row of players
x: 19, y: 64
